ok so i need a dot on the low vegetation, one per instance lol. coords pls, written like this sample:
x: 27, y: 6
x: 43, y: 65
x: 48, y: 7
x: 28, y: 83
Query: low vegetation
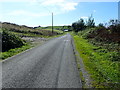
x: 14, y: 51
x: 27, y: 31
x: 101, y: 64
x: 58, y: 28
x: 10, y: 41
x: 99, y: 47
x: 12, y: 34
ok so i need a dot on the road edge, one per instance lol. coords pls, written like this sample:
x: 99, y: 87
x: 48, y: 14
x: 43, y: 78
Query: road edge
x: 9, y: 58
x: 84, y: 75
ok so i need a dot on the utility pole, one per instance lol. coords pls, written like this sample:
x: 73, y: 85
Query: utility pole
x: 52, y: 22
x: 119, y: 12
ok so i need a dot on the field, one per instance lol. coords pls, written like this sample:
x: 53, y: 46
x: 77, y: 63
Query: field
x: 58, y: 29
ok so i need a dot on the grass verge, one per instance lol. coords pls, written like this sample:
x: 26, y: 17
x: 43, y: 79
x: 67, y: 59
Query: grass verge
x: 104, y: 72
x: 12, y: 52
x: 15, y: 51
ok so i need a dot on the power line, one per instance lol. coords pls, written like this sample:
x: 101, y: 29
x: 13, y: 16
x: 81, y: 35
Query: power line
x: 49, y: 11
x: 43, y: 6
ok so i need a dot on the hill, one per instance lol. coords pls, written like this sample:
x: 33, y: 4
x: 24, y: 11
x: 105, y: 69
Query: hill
x: 23, y: 30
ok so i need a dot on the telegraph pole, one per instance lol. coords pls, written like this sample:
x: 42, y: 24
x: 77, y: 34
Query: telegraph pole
x: 119, y: 12
x: 52, y: 22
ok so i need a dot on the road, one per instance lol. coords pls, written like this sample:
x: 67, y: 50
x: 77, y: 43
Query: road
x: 51, y: 65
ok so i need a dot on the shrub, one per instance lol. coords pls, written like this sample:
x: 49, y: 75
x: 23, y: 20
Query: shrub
x: 10, y: 41
x: 79, y: 25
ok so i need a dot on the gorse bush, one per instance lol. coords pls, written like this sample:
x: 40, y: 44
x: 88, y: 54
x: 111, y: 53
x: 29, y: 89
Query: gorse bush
x: 102, y: 34
x: 10, y: 41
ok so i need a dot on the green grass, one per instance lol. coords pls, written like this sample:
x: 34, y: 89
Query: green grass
x: 59, y: 31
x: 15, y: 51
x: 24, y: 31
x: 50, y: 29
x: 99, y: 62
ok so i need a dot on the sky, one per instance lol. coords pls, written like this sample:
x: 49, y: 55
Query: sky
x: 65, y: 12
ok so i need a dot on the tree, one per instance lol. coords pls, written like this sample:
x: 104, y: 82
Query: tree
x: 79, y: 25
x: 101, y: 25
x: 69, y: 27
x: 114, y: 25
x: 114, y: 22
x: 74, y: 27
x: 63, y: 27
x: 90, y: 22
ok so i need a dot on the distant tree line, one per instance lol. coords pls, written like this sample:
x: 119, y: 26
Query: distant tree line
x: 81, y: 25
x: 68, y: 27
x: 112, y: 25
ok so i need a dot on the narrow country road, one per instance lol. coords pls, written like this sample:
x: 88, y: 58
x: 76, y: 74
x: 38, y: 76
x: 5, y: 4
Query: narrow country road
x: 51, y: 65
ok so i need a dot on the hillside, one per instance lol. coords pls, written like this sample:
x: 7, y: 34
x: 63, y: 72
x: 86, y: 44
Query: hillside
x: 56, y: 28
x: 17, y: 38
x: 23, y: 30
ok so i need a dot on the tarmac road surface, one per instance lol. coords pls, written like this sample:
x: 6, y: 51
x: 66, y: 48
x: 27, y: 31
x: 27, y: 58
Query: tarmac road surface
x: 51, y: 65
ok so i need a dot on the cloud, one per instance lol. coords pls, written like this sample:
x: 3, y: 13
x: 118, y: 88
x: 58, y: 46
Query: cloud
x: 63, y: 5
x: 26, y: 13
x: 52, y: 2
x: 68, y: 6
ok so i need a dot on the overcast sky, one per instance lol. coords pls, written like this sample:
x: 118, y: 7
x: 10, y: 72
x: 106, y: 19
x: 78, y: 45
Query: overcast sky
x: 38, y: 12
